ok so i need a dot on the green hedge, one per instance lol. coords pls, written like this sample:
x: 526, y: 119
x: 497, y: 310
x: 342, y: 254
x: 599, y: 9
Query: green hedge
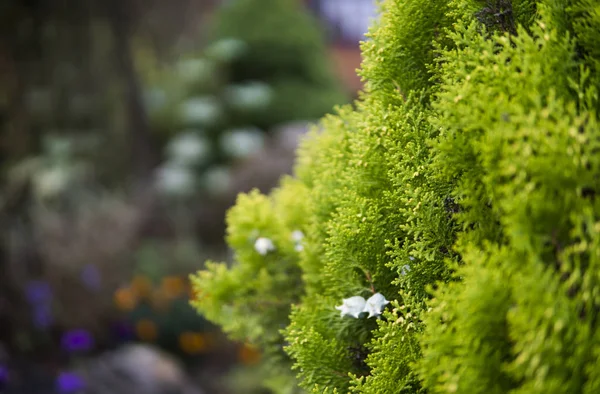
x: 462, y: 187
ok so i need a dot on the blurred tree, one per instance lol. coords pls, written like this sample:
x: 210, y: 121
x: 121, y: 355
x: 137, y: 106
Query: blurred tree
x: 286, y: 50
x: 66, y: 69
x: 121, y: 15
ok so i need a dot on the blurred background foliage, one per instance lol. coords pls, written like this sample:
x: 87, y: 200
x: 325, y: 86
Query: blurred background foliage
x: 127, y: 128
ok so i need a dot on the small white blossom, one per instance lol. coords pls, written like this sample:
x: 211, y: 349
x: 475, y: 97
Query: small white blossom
x: 242, y: 142
x: 195, y: 70
x: 188, y: 148
x: 297, y: 237
x: 352, y: 306
x: 204, y: 110
x: 264, y: 245
x: 175, y: 180
x: 405, y: 270
x: 50, y: 182
x: 227, y: 49
x: 375, y: 304
x: 412, y: 258
x: 250, y: 96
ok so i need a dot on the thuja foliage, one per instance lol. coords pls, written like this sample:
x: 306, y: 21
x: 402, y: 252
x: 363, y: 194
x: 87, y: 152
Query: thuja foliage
x: 463, y: 186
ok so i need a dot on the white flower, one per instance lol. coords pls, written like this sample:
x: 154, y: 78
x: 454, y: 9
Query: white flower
x: 175, y: 180
x: 352, y: 306
x: 188, y: 148
x: 375, y: 304
x: 227, y: 49
x: 405, y: 270
x: 264, y: 245
x: 201, y: 110
x: 50, y: 182
x: 250, y: 96
x: 195, y: 70
x: 241, y: 143
x: 297, y: 237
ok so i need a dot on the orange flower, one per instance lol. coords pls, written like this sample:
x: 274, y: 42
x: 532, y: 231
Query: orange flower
x: 146, y: 330
x: 125, y: 299
x: 173, y: 286
x: 159, y: 300
x: 141, y: 286
x: 248, y: 354
x: 192, y: 342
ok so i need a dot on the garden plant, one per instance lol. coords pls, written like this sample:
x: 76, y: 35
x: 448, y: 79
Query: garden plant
x: 442, y: 234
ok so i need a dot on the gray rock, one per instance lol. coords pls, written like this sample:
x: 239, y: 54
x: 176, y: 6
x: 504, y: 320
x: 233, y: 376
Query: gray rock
x: 137, y: 369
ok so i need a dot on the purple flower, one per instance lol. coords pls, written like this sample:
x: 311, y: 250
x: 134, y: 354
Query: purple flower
x: 38, y: 292
x: 3, y: 375
x: 42, y: 316
x: 77, y: 341
x: 69, y: 382
x: 91, y: 277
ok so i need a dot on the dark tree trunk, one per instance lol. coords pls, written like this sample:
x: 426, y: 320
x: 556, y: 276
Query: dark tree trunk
x: 142, y: 150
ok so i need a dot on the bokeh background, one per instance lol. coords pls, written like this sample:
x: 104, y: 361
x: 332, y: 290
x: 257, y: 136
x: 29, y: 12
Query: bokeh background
x: 127, y: 128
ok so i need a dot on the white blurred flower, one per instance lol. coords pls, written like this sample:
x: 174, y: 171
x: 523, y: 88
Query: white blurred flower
x: 217, y: 180
x: 375, y: 304
x: 241, y: 143
x: 251, y: 96
x: 192, y: 70
x: 227, y: 49
x: 297, y: 237
x: 201, y: 111
x: 352, y: 306
x: 264, y: 245
x: 51, y: 181
x: 405, y: 270
x: 188, y: 148
x: 175, y: 180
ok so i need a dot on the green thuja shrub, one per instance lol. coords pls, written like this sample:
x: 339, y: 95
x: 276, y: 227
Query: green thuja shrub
x: 462, y: 186
x: 520, y: 129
